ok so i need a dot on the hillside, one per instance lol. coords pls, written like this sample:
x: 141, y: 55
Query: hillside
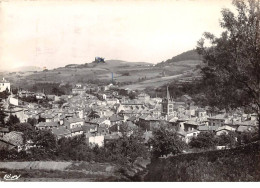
x: 74, y: 73
x: 113, y: 64
x: 191, y: 56
x: 238, y: 164
x: 133, y: 75
x: 181, y: 67
x: 117, y: 62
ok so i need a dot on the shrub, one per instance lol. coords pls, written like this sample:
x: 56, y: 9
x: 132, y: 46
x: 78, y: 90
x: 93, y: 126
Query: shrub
x: 238, y: 164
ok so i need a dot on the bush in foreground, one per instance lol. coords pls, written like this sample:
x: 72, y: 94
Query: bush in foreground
x: 238, y: 164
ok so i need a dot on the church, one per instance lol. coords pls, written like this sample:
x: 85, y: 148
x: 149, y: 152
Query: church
x: 167, y: 105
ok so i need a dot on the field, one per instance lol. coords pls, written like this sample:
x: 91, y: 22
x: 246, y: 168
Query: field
x: 153, y: 82
x: 59, y: 171
x: 71, y: 170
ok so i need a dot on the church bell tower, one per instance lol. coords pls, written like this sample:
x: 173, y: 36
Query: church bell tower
x: 167, y: 104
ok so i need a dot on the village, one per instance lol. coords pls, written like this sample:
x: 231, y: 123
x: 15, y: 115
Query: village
x: 101, y: 114
x: 130, y: 91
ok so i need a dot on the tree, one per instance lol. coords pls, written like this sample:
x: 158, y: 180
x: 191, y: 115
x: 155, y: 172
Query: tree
x: 132, y: 95
x: 30, y: 99
x: 32, y: 121
x: 232, y: 61
x: 15, y: 91
x: 75, y: 148
x: 165, y: 142
x: 204, y: 140
x: 21, y: 127
x: 126, y: 149
x: 229, y: 139
x: 4, y: 94
x: 57, y: 91
x: 125, y: 74
x: 27, y: 129
x: 247, y: 137
x: 12, y: 120
x: 45, y: 139
x: 2, y: 115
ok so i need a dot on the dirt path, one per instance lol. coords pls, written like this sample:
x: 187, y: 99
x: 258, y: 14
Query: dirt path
x: 38, y: 165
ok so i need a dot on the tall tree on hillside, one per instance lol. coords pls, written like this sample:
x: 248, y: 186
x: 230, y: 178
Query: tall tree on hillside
x: 231, y: 71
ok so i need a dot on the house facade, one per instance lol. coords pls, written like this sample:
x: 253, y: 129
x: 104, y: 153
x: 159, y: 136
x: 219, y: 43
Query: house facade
x: 47, y: 125
x: 218, y: 120
x: 72, y: 123
x: 4, y: 85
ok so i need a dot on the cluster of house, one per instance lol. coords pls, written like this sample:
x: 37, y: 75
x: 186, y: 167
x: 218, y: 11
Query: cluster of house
x: 219, y: 124
x: 81, y: 89
x: 103, y: 120
x: 190, y: 120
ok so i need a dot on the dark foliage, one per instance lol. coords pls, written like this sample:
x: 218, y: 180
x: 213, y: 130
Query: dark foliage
x: 189, y: 55
x: 232, y: 61
x: 229, y: 140
x: 30, y: 99
x: 12, y: 120
x: 51, y: 88
x: 204, y: 141
x: 32, y: 121
x: 2, y: 115
x: 15, y: 91
x: 247, y: 137
x: 125, y: 74
x: 238, y: 164
x: 177, y: 90
x: 21, y: 127
x: 123, y: 151
x: 165, y: 142
x: 4, y: 94
x: 131, y: 94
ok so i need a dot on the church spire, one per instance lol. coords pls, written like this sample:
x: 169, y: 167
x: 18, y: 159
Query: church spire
x: 168, y: 94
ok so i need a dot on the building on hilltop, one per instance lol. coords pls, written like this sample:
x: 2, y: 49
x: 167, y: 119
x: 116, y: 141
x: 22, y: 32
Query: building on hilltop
x: 99, y: 60
x: 167, y: 105
x: 4, y: 84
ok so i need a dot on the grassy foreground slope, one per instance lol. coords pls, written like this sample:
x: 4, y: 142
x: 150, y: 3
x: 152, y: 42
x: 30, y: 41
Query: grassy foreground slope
x: 239, y: 164
x: 60, y: 171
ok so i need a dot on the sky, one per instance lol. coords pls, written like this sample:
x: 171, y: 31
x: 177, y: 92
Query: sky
x: 55, y: 33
